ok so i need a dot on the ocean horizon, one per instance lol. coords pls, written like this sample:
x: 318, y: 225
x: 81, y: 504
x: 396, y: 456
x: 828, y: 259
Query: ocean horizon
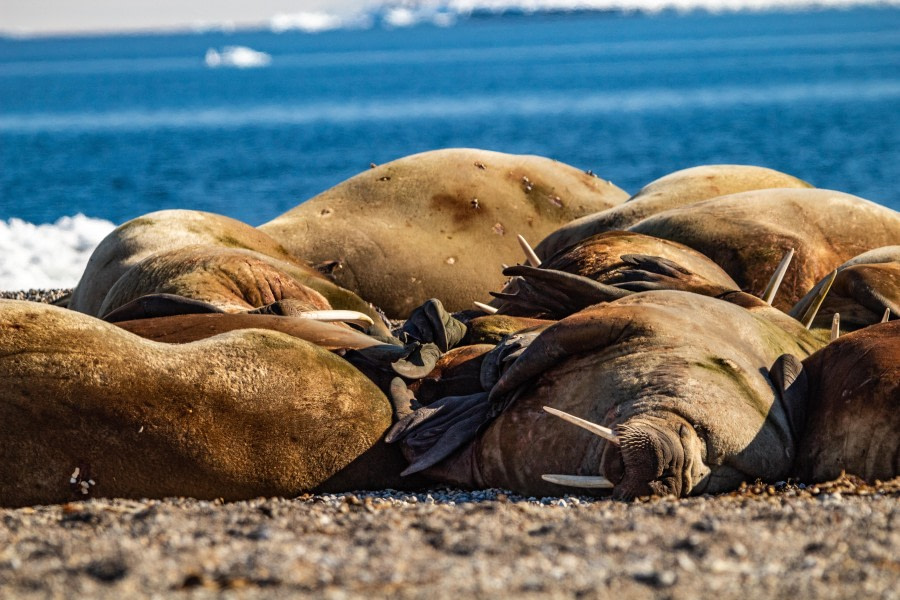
x: 96, y: 130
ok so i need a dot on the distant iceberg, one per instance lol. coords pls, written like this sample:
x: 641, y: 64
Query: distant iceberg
x: 239, y: 57
x: 52, y: 255
x: 307, y: 22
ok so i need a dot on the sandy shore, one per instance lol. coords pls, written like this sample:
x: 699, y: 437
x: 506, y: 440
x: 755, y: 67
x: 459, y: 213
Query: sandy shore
x: 834, y: 540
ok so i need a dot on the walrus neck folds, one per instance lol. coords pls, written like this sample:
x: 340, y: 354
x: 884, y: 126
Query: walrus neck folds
x: 656, y: 456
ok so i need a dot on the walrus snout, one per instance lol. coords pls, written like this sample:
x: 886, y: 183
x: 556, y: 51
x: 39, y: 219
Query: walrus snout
x: 658, y: 455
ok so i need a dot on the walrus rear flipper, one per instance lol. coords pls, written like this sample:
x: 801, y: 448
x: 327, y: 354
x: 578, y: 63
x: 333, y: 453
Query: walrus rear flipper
x: 159, y: 305
x: 647, y: 273
x: 790, y: 383
x: 864, y: 292
x: 432, y: 323
x: 434, y: 432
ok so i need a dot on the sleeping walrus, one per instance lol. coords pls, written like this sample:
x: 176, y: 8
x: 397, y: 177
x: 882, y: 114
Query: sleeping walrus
x: 675, y: 189
x: 437, y: 224
x: 687, y: 389
x: 87, y: 408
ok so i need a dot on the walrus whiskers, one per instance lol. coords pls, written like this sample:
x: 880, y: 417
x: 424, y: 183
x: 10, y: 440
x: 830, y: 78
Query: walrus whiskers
x: 580, y: 481
x: 604, y: 432
x: 485, y: 307
x: 777, y: 277
x: 533, y: 259
x: 887, y: 315
x: 817, y: 302
x: 835, y: 326
x: 329, y: 316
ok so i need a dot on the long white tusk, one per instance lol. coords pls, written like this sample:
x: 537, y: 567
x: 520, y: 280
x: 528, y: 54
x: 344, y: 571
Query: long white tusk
x: 817, y: 302
x: 887, y: 315
x: 580, y: 481
x: 777, y: 277
x: 328, y: 316
x: 604, y: 432
x: 533, y: 259
x: 835, y: 326
x: 485, y: 307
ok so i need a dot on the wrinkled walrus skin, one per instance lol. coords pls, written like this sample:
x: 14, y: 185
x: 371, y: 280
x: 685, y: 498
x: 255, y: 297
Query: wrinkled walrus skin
x: 236, y: 416
x: 675, y: 189
x: 864, y: 287
x: 437, y: 224
x: 747, y: 234
x: 683, y: 379
x: 160, y: 231
x: 854, y: 407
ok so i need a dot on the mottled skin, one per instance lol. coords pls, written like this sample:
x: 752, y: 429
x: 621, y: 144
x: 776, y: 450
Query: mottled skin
x: 747, y: 234
x: 676, y: 189
x: 161, y: 231
x: 240, y: 415
x: 607, y: 259
x: 864, y: 287
x: 853, y: 422
x: 683, y: 378
x: 437, y: 224
x: 232, y: 280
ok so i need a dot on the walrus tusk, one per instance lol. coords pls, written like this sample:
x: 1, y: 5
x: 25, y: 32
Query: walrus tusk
x: 887, y: 315
x: 533, y: 259
x: 604, y: 432
x: 777, y: 277
x: 485, y: 308
x: 580, y: 481
x: 328, y: 316
x: 835, y: 326
x: 817, y: 301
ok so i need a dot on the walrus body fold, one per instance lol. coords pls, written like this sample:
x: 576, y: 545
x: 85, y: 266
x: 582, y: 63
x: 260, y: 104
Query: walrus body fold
x: 683, y: 378
x: 437, y: 224
x: 239, y: 415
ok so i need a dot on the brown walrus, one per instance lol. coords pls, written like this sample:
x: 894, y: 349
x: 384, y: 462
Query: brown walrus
x: 161, y: 231
x: 853, y: 421
x: 747, y: 234
x: 437, y: 224
x: 865, y: 290
x: 621, y: 262
x: 89, y: 409
x: 682, y: 382
x: 675, y: 189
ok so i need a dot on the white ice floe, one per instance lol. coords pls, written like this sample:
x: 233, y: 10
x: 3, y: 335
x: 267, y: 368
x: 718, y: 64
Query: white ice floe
x: 51, y: 255
x: 308, y: 22
x: 239, y: 57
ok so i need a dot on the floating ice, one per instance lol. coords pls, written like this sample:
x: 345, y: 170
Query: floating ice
x: 239, y: 57
x: 47, y: 256
x: 309, y: 22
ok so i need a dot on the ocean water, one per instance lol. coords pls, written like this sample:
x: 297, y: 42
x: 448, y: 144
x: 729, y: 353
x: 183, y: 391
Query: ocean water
x: 117, y: 126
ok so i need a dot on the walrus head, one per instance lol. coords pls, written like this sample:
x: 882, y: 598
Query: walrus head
x: 647, y: 455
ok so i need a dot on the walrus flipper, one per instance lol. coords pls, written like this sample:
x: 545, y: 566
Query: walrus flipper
x: 554, y: 293
x: 432, y: 323
x: 871, y: 297
x: 434, y: 432
x: 791, y: 387
x: 159, y: 305
x: 646, y: 273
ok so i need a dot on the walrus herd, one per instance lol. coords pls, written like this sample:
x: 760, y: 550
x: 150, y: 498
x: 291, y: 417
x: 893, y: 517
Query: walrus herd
x: 727, y: 323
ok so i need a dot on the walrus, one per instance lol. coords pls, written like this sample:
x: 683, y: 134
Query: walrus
x: 160, y: 231
x: 89, y: 409
x: 604, y: 267
x: 853, y: 407
x: 865, y: 291
x: 671, y: 191
x: 747, y: 234
x: 688, y: 389
x: 231, y: 280
x: 437, y: 224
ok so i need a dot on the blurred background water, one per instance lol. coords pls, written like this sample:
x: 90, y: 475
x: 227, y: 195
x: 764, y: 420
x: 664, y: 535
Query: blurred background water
x: 116, y: 126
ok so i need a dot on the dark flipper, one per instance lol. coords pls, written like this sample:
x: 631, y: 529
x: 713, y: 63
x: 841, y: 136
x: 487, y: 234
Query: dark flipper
x: 430, y: 323
x: 791, y: 386
x: 646, y: 273
x: 159, y: 305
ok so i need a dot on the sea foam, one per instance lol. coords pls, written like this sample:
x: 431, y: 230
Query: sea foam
x: 51, y: 255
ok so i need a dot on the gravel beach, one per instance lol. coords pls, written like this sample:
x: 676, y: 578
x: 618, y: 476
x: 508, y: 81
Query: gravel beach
x: 834, y: 540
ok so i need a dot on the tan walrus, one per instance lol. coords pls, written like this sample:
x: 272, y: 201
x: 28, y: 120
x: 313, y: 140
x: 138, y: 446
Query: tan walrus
x: 680, y: 383
x: 161, y: 231
x: 747, y: 234
x: 88, y: 409
x: 853, y: 421
x: 437, y: 224
x: 675, y: 189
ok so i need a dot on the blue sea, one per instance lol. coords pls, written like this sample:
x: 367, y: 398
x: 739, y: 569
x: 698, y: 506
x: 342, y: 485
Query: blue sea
x: 116, y: 126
